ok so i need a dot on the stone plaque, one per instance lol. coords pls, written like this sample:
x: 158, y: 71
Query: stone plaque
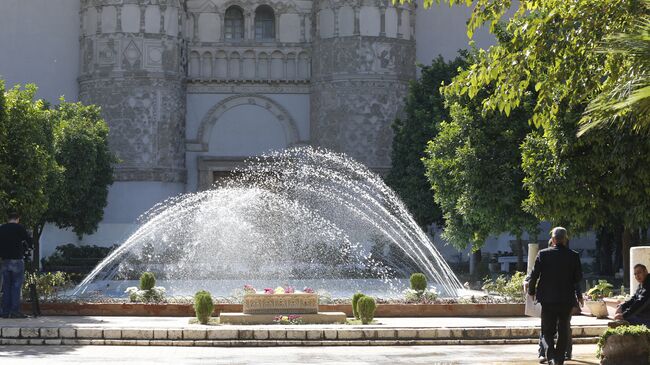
x: 294, y: 303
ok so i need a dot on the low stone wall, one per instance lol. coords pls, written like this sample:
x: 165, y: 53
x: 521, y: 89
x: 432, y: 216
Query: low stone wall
x: 282, y: 336
x: 187, y: 310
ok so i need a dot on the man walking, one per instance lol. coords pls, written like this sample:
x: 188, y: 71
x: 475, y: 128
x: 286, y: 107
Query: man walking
x: 13, y: 240
x: 558, y: 270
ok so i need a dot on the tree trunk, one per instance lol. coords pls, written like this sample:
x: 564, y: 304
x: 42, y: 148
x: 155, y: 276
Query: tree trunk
x: 626, y: 243
x: 618, y: 245
x: 36, y: 240
x: 604, y: 243
x: 520, y: 254
x: 474, y: 263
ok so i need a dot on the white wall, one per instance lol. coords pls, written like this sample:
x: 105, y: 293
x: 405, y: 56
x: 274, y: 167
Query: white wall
x: 39, y: 43
x: 126, y: 202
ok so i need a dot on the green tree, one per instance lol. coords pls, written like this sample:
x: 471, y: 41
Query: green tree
x: 474, y: 166
x: 79, y: 196
x: 27, y: 154
x: 598, y: 181
x: 56, y: 163
x: 625, y: 97
x: 424, y: 110
x: 553, y: 47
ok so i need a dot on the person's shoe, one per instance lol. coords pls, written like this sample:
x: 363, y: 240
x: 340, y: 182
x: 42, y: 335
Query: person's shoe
x: 552, y: 362
x: 542, y: 359
x: 567, y: 357
x: 617, y: 323
x: 17, y: 315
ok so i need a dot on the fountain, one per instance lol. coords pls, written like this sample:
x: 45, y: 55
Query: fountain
x: 301, y: 217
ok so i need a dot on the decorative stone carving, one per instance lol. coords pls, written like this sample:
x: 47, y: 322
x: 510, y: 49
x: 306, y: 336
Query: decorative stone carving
x: 295, y: 303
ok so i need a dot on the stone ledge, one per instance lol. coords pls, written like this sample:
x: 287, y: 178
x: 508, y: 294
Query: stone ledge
x: 273, y: 343
x: 289, y: 334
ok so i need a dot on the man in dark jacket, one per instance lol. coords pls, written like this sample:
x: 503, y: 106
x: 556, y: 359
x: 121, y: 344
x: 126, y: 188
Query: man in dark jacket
x: 558, y: 270
x: 13, y: 240
x: 636, y: 310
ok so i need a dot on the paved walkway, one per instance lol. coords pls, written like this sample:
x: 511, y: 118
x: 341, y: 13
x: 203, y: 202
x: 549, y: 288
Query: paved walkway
x: 411, y: 355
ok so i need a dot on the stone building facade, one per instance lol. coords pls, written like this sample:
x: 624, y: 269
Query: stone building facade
x: 191, y: 88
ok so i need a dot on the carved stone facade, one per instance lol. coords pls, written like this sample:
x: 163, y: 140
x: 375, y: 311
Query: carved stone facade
x: 165, y: 72
x: 133, y: 66
x: 295, y: 303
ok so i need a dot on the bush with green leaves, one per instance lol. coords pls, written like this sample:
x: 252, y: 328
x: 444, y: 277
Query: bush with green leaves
x: 510, y: 288
x: 355, y: 300
x: 147, y: 281
x: 75, y: 258
x: 418, y: 282
x: 638, y: 331
x: 203, y: 306
x: 48, y: 285
x: 366, y: 308
x: 147, y: 292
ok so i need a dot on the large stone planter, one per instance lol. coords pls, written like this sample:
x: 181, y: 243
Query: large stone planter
x: 294, y: 303
x: 612, y: 304
x: 625, y: 350
x: 597, y: 308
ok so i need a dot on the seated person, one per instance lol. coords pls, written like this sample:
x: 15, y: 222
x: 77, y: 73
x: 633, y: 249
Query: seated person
x: 636, y: 310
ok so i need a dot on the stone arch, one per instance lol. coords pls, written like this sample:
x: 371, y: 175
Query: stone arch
x: 206, y: 65
x: 212, y: 116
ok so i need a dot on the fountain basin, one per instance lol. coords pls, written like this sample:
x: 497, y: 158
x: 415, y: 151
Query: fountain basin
x: 187, y: 310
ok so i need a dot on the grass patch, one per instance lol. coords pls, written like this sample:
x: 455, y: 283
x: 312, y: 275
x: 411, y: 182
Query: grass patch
x: 214, y: 321
x: 357, y: 322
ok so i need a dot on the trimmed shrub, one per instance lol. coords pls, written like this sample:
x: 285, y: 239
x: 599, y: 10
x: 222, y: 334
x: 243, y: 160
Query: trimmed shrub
x: 147, y: 281
x: 418, y: 281
x: 203, y: 306
x: 355, y: 299
x: 366, y: 308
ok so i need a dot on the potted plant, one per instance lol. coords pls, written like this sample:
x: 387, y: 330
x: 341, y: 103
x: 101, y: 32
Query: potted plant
x: 595, y: 296
x: 613, y: 302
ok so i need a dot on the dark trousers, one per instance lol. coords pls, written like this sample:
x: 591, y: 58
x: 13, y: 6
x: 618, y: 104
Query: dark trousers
x: 556, y: 318
x: 569, y: 344
x: 13, y: 275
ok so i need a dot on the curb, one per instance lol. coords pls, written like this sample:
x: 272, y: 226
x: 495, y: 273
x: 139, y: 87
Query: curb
x: 229, y: 336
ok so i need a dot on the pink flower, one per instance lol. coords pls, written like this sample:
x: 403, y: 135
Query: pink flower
x: 289, y: 290
x: 249, y: 288
x: 269, y: 291
x: 308, y: 290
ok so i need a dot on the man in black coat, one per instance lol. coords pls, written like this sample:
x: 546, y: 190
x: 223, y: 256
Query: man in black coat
x: 636, y: 310
x: 13, y: 241
x: 558, y: 270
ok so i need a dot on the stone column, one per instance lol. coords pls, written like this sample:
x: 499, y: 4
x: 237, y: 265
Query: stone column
x: 638, y: 255
x: 533, y: 249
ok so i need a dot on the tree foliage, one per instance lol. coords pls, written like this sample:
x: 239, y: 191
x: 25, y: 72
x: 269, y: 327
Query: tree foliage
x: 424, y: 110
x: 554, y: 48
x: 474, y: 165
x: 27, y: 161
x: 625, y: 98
x: 82, y: 152
x: 55, y: 164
